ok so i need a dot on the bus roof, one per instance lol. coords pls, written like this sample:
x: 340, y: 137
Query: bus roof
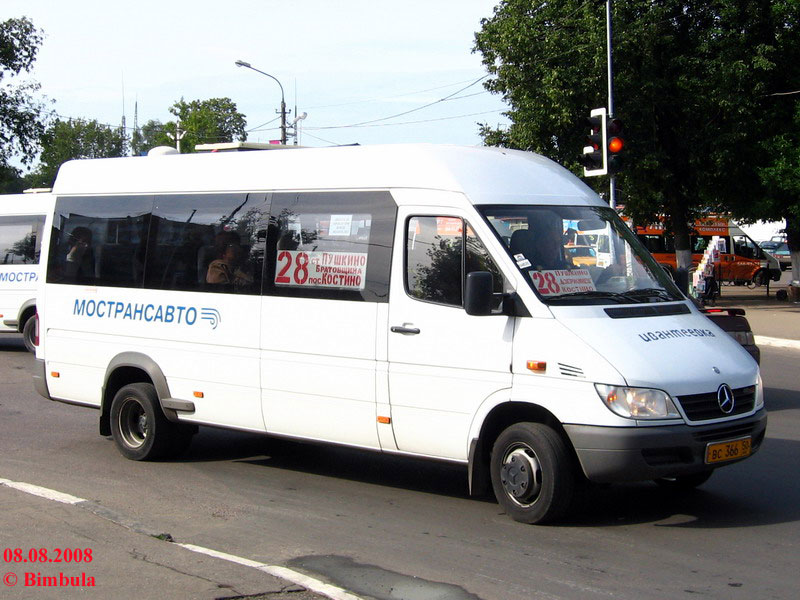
x: 486, y: 175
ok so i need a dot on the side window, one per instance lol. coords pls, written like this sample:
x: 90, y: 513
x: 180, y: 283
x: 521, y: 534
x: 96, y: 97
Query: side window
x: 744, y: 247
x: 334, y: 245
x: 440, y: 252
x: 434, y: 259
x: 99, y: 241
x: 211, y: 242
x: 20, y: 239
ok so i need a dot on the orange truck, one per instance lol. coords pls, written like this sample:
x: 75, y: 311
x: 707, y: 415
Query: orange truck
x: 743, y: 262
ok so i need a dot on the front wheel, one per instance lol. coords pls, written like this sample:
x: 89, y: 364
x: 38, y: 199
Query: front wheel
x: 532, y: 473
x: 138, y: 426
x: 760, y: 278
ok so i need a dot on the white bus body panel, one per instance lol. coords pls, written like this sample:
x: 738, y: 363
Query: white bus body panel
x: 211, y: 346
x: 318, y: 369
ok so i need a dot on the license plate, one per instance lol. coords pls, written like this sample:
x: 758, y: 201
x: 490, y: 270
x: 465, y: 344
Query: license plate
x: 730, y: 450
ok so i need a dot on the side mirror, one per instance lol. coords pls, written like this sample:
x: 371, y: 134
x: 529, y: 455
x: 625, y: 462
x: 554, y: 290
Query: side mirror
x: 478, y: 293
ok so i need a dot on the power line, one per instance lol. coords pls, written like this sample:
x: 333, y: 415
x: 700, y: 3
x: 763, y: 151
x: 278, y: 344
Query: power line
x: 488, y: 112
x: 449, y: 96
x: 389, y: 97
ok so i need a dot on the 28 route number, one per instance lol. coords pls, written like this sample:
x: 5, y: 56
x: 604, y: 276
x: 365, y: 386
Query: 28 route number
x: 545, y: 282
x: 287, y: 275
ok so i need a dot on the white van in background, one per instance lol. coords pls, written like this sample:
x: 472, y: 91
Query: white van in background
x: 22, y: 219
x: 412, y: 299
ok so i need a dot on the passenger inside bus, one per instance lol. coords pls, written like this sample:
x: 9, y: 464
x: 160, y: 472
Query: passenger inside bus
x: 227, y: 268
x: 80, y: 256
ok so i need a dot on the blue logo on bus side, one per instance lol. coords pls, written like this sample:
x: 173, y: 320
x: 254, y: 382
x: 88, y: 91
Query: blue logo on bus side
x: 158, y: 313
x: 19, y: 277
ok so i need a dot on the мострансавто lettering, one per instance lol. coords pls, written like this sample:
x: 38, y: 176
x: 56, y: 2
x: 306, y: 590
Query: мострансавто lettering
x: 19, y: 277
x: 159, y: 313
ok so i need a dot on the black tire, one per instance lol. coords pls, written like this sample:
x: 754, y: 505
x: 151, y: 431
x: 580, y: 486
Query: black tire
x: 684, y: 482
x: 138, y: 426
x: 28, y: 330
x: 532, y: 473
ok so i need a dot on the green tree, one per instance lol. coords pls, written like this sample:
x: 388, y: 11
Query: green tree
x: 201, y: 121
x: 151, y: 134
x: 21, y: 114
x: 73, y: 139
x: 693, y: 84
x: 781, y: 176
x: 209, y: 121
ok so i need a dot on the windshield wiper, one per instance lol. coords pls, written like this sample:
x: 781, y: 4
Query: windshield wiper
x: 592, y: 294
x: 651, y: 293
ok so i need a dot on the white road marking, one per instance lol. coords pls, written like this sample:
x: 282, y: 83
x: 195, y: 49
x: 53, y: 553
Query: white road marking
x: 762, y: 340
x: 315, y: 585
x: 42, y: 492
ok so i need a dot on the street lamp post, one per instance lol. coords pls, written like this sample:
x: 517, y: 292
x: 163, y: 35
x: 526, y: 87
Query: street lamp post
x: 241, y: 63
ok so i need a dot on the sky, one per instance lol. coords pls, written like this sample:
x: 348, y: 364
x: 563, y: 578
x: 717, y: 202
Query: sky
x: 343, y: 62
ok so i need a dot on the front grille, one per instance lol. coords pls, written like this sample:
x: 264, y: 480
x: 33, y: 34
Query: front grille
x: 724, y: 433
x: 704, y: 407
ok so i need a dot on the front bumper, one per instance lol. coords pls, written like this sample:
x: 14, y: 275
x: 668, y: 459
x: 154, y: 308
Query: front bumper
x: 613, y: 454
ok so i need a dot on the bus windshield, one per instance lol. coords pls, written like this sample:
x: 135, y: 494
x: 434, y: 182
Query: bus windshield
x: 579, y: 255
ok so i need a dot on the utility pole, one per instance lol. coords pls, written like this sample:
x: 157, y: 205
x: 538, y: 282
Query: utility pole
x: 612, y: 191
x: 178, y: 136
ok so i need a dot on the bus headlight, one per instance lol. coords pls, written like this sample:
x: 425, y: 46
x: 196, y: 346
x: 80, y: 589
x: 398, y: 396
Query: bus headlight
x: 637, y: 403
x: 759, y: 392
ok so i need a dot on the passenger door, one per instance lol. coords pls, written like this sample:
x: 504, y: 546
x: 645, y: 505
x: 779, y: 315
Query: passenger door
x: 325, y: 289
x: 443, y: 363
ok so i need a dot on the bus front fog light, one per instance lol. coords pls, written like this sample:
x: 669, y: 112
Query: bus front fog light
x: 637, y: 403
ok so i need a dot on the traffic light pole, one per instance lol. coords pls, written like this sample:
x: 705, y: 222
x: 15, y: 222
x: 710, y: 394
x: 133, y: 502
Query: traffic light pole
x: 612, y: 192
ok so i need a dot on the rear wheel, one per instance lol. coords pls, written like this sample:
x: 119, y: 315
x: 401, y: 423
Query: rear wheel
x: 532, y: 473
x: 138, y: 426
x: 28, y: 333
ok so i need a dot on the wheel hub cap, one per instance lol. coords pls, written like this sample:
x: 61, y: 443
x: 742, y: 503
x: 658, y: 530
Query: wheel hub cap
x: 521, y: 475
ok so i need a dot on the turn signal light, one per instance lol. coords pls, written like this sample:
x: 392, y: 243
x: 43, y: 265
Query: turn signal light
x: 199, y: 395
x: 538, y: 366
x: 384, y: 420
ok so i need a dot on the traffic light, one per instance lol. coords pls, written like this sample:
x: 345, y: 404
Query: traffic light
x: 594, y: 158
x: 615, y: 144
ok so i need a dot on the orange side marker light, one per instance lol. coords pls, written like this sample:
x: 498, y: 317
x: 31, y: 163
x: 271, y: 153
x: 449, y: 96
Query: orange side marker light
x: 537, y: 366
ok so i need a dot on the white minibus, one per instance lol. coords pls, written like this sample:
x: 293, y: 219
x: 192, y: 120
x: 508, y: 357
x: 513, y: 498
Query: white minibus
x: 409, y: 299
x: 21, y: 225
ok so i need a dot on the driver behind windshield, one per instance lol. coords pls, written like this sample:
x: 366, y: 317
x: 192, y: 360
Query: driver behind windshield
x: 542, y: 242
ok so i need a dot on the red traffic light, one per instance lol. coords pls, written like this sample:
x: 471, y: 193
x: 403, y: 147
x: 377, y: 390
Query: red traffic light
x: 615, y: 144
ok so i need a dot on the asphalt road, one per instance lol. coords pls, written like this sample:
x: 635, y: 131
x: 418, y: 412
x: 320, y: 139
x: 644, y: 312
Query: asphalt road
x: 379, y: 526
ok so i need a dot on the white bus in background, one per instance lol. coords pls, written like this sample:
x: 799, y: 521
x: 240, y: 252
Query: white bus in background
x: 21, y: 225
x: 410, y: 299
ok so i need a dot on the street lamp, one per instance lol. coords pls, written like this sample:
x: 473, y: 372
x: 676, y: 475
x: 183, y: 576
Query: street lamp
x: 241, y: 63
